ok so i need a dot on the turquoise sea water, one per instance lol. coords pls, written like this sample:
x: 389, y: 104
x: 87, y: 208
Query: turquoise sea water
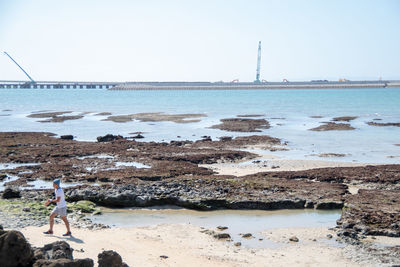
x: 288, y: 111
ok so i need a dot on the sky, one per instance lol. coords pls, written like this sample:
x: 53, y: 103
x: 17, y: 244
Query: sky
x: 200, y: 40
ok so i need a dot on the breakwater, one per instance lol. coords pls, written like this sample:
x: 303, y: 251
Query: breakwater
x: 253, y: 86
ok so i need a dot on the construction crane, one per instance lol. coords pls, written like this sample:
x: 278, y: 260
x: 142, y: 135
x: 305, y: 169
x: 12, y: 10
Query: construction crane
x: 258, y: 63
x: 32, y: 81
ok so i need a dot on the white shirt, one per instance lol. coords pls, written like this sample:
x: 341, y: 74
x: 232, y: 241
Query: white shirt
x: 60, y: 193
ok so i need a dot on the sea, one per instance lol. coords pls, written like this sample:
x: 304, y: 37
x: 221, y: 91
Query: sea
x: 289, y: 112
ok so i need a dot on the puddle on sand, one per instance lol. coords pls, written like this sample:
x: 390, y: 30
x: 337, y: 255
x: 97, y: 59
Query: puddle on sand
x: 9, y: 178
x: 237, y: 221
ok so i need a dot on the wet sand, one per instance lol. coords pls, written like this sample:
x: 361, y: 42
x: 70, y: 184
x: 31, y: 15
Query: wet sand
x: 185, y: 245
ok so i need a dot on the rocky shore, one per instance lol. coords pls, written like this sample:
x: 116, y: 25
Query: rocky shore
x: 120, y: 172
x: 27, y: 209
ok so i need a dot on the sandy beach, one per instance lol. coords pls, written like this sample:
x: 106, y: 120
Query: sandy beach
x: 185, y: 245
x: 272, y: 163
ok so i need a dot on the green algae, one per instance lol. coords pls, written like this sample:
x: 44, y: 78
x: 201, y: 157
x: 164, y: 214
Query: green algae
x: 37, y: 208
x: 84, y: 206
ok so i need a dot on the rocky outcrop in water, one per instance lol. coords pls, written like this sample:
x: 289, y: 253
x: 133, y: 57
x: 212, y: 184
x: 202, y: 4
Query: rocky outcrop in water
x: 55, y: 116
x: 264, y: 142
x: 395, y: 124
x: 332, y: 126
x: 345, y: 118
x: 242, y: 125
x: 156, y: 117
x: 62, y: 118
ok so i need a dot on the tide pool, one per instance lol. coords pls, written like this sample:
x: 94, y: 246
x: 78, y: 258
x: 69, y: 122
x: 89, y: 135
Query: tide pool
x: 238, y: 221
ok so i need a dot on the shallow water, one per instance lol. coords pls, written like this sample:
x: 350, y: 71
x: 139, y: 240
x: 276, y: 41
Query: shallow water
x: 10, y: 166
x: 287, y: 110
x: 37, y: 184
x: 42, y: 184
x: 9, y: 178
x: 238, y: 221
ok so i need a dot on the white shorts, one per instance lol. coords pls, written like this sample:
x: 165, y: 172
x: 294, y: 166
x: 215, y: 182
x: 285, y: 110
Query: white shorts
x: 60, y: 211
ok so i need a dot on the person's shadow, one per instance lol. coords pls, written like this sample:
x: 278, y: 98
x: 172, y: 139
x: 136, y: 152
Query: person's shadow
x: 71, y: 239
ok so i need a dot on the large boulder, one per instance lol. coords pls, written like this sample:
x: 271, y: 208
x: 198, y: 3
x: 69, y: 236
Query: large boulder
x: 67, y: 137
x: 64, y: 263
x: 55, y: 250
x: 109, y: 138
x: 110, y: 258
x: 14, y: 250
x: 11, y: 192
x: 3, y: 176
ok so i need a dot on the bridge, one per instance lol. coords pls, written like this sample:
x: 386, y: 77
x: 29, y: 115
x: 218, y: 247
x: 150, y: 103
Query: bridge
x: 9, y: 84
x: 57, y: 85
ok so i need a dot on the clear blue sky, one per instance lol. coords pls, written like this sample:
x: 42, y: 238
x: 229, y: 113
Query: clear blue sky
x: 204, y: 40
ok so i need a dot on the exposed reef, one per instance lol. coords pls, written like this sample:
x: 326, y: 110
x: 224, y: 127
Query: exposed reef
x: 156, y: 117
x: 130, y: 173
x: 55, y: 116
x: 329, y: 155
x: 250, y: 115
x: 372, y: 212
x: 345, y: 118
x: 332, y: 126
x: 242, y: 125
x: 381, y: 124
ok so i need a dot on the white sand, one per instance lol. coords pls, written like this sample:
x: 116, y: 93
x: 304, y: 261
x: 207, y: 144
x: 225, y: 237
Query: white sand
x: 186, y: 246
x: 267, y: 164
